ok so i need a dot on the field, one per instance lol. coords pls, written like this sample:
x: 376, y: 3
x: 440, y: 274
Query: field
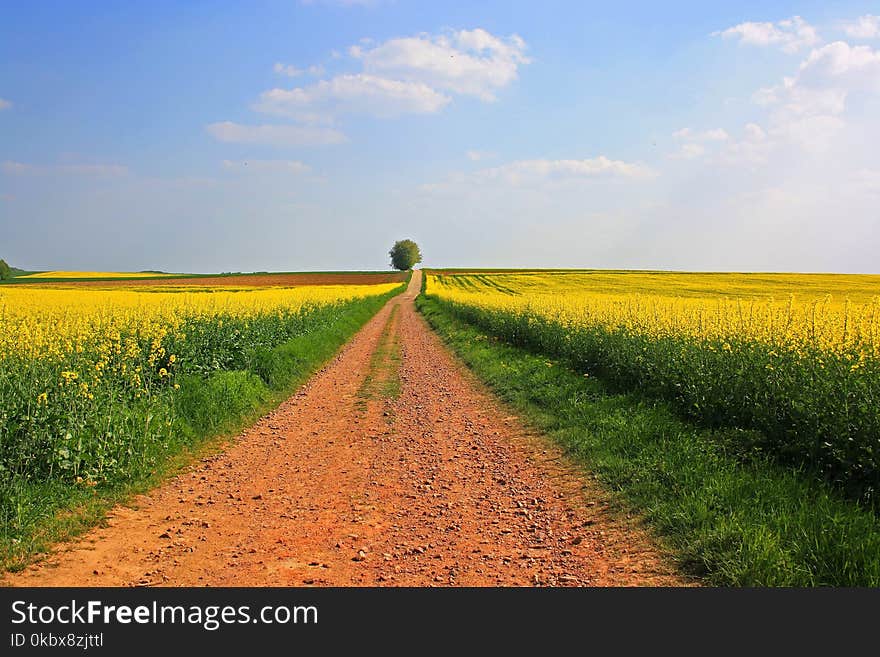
x: 99, y: 387
x: 857, y: 288
x: 653, y: 428
x: 147, y: 279
x: 90, y: 274
x: 724, y: 348
x: 785, y: 369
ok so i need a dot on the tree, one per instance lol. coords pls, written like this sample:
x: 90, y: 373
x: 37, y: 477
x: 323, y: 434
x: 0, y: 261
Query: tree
x: 404, y: 254
x: 5, y: 271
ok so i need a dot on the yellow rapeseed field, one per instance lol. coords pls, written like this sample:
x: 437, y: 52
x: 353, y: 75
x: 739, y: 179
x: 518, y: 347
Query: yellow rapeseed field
x: 55, y: 322
x: 840, y: 313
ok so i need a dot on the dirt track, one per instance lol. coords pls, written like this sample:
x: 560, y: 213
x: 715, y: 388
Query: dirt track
x: 392, y: 466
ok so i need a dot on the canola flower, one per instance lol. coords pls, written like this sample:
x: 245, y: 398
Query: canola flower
x: 52, y: 323
x: 726, y: 350
x: 688, y: 305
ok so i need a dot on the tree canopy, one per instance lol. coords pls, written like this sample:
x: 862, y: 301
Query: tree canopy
x: 5, y: 271
x: 405, y: 254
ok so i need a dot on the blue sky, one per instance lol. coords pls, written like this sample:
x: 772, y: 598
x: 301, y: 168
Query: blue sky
x: 231, y: 136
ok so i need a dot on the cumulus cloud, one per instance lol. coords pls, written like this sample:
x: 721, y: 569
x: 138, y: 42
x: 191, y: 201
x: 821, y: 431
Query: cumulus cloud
x: 21, y: 168
x: 790, y: 35
x: 469, y: 62
x: 292, y: 71
x: 754, y: 147
x: 408, y: 75
x: 4, y: 104
x: 825, y: 79
x: 273, y: 166
x: 274, y: 135
x: 806, y: 120
x: 348, y: 94
x: 855, y: 66
x: 863, y: 27
x: 289, y: 70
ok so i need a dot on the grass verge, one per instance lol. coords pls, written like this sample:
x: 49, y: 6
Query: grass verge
x: 732, y: 517
x: 383, y: 377
x: 207, y: 411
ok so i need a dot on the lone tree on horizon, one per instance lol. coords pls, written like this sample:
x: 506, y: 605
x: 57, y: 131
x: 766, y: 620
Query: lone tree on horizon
x: 5, y: 271
x: 405, y: 254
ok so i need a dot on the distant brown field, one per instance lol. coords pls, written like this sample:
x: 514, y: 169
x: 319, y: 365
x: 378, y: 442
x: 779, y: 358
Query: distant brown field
x: 256, y: 280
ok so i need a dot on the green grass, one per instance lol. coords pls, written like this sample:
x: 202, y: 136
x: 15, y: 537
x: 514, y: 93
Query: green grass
x: 731, y: 515
x: 383, y: 376
x: 155, y: 438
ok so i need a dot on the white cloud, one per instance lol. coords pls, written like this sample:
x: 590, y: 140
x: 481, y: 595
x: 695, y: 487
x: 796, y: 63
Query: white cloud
x: 753, y: 148
x: 789, y: 35
x: 5, y: 104
x: 806, y: 114
x: 468, y: 62
x: 273, y: 166
x: 695, y: 141
x: 292, y: 71
x: 409, y: 75
x: 529, y: 173
x: 716, y: 134
x: 811, y: 133
x: 856, y: 66
x: 345, y: 94
x: 274, y: 135
x: 21, y: 168
x: 825, y: 79
x: 289, y: 70
x: 863, y: 27
x: 476, y: 156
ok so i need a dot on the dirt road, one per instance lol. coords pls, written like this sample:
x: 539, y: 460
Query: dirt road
x: 392, y: 466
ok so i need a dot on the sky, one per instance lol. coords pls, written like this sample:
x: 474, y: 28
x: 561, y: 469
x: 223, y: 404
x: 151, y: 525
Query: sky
x: 288, y: 135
